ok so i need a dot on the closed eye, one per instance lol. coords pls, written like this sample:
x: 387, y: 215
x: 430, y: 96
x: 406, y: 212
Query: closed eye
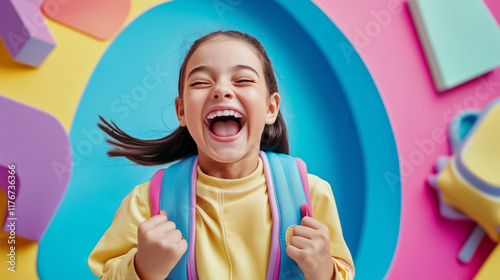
x: 245, y: 81
x: 199, y: 83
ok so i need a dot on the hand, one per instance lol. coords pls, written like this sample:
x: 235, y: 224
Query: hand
x: 160, y: 247
x: 310, y: 248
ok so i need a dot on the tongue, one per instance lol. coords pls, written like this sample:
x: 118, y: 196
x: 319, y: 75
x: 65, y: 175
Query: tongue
x: 225, y: 128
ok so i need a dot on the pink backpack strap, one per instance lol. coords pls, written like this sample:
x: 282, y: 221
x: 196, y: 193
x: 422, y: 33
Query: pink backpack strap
x: 305, y: 208
x: 154, y: 192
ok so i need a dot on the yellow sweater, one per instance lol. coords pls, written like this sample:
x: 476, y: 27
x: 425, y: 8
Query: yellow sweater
x: 233, y: 229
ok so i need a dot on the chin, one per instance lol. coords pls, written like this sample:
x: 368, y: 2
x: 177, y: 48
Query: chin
x: 227, y: 155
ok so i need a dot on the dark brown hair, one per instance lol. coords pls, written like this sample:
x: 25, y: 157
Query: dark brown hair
x: 179, y: 144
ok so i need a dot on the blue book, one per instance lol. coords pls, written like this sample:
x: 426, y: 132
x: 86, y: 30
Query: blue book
x: 461, y: 39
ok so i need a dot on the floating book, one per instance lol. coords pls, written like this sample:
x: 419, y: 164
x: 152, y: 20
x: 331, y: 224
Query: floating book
x: 461, y: 39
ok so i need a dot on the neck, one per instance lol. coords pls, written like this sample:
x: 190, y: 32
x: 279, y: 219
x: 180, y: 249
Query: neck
x: 233, y: 170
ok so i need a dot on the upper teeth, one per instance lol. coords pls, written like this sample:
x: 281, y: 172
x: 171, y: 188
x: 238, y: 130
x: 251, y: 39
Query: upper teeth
x: 214, y: 114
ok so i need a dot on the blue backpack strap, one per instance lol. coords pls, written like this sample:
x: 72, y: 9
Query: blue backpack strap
x: 175, y: 199
x: 179, y: 182
x: 290, y: 197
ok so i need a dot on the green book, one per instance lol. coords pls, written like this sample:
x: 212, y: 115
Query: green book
x: 461, y: 39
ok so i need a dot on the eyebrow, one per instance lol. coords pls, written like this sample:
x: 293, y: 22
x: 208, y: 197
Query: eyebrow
x: 240, y: 67
x: 201, y: 68
x: 204, y: 68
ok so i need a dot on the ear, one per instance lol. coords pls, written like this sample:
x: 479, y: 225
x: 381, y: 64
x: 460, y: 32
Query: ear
x: 179, y: 109
x: 273, y: 108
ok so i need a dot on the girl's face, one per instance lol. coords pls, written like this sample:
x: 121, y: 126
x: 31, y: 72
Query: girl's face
x: 225, y: 102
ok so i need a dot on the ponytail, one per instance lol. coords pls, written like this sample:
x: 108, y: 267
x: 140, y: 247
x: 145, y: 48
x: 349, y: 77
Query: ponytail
x: 177, y: 145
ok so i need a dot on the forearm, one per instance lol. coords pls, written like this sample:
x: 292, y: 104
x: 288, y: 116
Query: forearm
x: 113, y: 256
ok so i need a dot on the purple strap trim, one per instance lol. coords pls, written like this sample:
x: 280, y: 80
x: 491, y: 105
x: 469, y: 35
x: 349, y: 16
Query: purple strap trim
x: 154, y: 192
x: 277, y: 265
x: 274, y: 256
x: 475, y: 181
x: 306, y: 212
x: 305, y: 208
x: 192, y: 273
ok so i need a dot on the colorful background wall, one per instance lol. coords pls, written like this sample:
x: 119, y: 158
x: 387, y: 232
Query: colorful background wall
x: 368, y: 102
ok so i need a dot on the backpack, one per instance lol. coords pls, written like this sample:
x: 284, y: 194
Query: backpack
x: 468, y: 182
x: 289, y: 199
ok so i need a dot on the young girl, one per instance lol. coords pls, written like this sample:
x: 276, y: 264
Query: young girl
x: 225, y: 73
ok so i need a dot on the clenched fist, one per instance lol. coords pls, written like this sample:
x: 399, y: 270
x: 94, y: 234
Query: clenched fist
x: 310, y: 248
x: 160, y: 247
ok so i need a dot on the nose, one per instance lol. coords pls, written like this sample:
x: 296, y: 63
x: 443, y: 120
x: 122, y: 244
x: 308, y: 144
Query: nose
x: 222, y: 91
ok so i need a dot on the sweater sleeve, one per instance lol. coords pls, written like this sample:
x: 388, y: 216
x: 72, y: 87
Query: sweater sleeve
x: 325, y: 211
x: 113, y: 256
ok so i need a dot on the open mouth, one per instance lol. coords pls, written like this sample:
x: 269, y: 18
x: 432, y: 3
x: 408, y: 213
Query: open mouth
x: 225, y: 123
